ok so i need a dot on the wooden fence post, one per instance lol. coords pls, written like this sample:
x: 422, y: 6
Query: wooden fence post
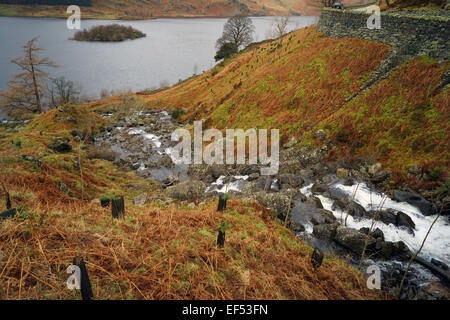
x: 222, y: 203
x: 221, y: 239
x: 85, y: 283
x: 118, y: 208
x: 8, y: 201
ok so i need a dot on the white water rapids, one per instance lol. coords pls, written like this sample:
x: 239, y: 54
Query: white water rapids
x: 438, y: 242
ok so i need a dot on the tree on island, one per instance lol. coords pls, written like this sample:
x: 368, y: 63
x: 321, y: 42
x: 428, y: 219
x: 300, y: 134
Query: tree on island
x: 26, y: 89
x: 237, y: 33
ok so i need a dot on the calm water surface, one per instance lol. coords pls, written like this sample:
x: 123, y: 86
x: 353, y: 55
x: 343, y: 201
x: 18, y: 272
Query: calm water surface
x: 174, y: 49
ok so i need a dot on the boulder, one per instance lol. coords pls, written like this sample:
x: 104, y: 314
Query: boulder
x: 376, y: 234
x: 356, y: 210
x: 278, y: 203
x: 189, y: 190
x: 290, y: 179
x: 140, y: 200
x: 319, y: 188
x: 353, y: 239
x: 297, y: 226
x: 414, y: 199
x: 403, y: 220
x: 325, y: 231
x: 388, y: 216
x: 389, y: 249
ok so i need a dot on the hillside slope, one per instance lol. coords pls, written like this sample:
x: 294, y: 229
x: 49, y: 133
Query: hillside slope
x: 147, y: 9
x: 162, y: 250
x: 301, y: 83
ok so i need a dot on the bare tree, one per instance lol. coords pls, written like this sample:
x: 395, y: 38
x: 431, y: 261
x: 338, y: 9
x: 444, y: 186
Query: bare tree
x: 280, y: 27
x: 25, y: 90
x: 238, y: 30
x: 62, y: 91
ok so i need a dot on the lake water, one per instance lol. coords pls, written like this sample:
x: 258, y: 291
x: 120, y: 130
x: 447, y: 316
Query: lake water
x: 174, y: 49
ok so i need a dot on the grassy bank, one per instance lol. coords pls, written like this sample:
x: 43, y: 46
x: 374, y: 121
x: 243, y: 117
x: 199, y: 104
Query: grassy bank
x: 159, y: 251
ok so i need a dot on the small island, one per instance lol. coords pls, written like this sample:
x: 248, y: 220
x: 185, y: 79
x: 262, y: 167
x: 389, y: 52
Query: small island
x: 112, y: 32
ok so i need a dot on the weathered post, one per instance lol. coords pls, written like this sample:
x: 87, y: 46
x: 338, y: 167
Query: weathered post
x: 118, y: 208
x: 316, y: 258
x: 222, y: 204
x: 8, y: 201
x: 85, y: 283
x: 221, y: 236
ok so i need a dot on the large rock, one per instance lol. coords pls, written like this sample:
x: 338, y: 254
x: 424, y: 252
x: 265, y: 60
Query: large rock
x: 188, y: 190
x: 414, y: 199
x: 278, y: 203
x: 140, y: 200
x: 326, y: 231
x: 354, y: 240
x: 356, y: 210
x: 290, y: 179
x: 390, y: 250
x: 403, y: 220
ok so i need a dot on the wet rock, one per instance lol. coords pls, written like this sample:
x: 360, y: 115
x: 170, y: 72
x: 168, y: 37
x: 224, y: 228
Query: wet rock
x: 297, y: 226
x: 328, y: 215
x: 376, y: 234
x: 403, y: 220
x: 339, y: 205
x: 290, y: 179
x: 338, y: 194
x: 388, y: 216
x: 354, y: 240
x: 319, y: 188
x: 253, y: 176
x: 189, y: 190
x: 356, y: 210
x: 439, y: 264
x: 140, y: 200
x: 415, y: 199
x: 278, y: 203
x: 305, y: 211
x: 318, y: 202
x: 325, y: 231
x: 390, y: 250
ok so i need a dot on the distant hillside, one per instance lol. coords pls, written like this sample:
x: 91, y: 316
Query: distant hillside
x: 123, y: 9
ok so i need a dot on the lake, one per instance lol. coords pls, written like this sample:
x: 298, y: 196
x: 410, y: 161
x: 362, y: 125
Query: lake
x: 174, y: 49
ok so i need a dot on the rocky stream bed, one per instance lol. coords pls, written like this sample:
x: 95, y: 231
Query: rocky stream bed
x: 309, y: 194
